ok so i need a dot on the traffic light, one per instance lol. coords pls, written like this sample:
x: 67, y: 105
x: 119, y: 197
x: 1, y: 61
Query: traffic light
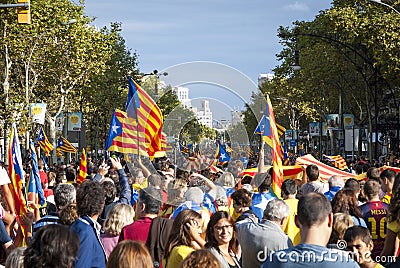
x: 24, y: 13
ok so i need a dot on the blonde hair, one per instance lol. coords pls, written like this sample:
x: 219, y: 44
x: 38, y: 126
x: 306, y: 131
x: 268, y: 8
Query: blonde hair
x: 119, y: 216
x: 199, y: 259
x: 226, y: 179
x: 341, y: 222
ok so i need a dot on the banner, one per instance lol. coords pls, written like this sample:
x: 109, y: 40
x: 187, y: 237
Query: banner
x: 37, y: 111
x: 333, y: 121
x: 348, y: 120
x: 314, y: 129
x: 74, y: 121
x: 60, y: 122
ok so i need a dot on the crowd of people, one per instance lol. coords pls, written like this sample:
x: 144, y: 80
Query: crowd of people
x: 141, y: 214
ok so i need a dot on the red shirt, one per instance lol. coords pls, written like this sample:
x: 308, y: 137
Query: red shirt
x: 139, y: 230
x: 43, y: 178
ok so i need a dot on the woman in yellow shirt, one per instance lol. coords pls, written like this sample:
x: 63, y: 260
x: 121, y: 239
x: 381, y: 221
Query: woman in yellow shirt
x: 184, y: 238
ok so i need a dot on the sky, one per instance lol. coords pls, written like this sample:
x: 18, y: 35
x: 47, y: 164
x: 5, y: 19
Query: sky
x: 218, y: 41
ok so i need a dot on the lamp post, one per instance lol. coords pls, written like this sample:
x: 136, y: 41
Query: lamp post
x: 157, y: 76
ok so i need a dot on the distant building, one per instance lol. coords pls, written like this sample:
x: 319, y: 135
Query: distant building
x: 183, y: 96
x: 236, y: 116
x: 204, y: 115
x: 262, y: 78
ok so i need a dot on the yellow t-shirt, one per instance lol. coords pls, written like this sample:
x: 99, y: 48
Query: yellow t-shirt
x: 379, y: 266
x: 178, y: 254
x: 386, y: 199
x: 394, y: 227
x: 290, y: 227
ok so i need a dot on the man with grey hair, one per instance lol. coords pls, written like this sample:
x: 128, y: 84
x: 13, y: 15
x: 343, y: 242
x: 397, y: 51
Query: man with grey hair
x: 335, y: 184
x: 258, y: 240
x: 64, y: 194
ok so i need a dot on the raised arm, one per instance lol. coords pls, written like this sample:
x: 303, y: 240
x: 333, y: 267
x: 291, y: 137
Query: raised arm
x: 126, y: 192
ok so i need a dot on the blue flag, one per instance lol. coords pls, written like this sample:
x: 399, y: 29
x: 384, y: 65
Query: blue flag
x: 35, y: 190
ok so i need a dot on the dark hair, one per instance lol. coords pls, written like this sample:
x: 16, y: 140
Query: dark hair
x: 64, y: 194
x: 313, y: 208
x: 355, y: 232
x: 199, y: 259
x: 151, y: 197
x: 180, y: 235
x: 110, y: 191
x: 263, y: 181
x: 242, y: 197
x: 70, y: 174
x: 53, y: 245
x: 90, y: 198
x: 312, y: 172
x: 345, y: 201
x: 353, y: 184
x: 154, y: 180
x: 68, y: 215
x: 373, y: 173
x: 389, y: 174
x: 371, y: 188
x: 289, y: 187
x: 394, y: 206
x: 210, y: 235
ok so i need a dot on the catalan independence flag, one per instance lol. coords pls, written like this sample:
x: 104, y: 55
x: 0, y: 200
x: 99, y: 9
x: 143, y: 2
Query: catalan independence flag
x: 183, y: 149
x: 271, y: 137
x: 141, y: 107
x: 35, y: 190
x: 124, y: 136
x: 221, y: 154
x: 260, y: 127
x: 63, y: 145
x: 16, y: 172
x: 338, y: 161
x: 44, y: 143
x: 82, y: 168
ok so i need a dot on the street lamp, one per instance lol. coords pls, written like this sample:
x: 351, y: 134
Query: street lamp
x: 157, y: 76
x: 389, y: 6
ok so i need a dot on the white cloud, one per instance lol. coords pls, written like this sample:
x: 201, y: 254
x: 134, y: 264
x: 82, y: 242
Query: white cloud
x: 297, y: 6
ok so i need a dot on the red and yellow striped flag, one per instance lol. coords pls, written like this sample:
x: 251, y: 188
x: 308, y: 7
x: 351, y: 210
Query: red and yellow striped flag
x: 82, y: 168
x: 145, y: 111
x: 271, y: 137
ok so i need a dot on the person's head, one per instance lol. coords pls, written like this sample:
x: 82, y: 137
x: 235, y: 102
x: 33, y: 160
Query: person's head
x: 341, y: 222
x: 129, y: 253
x: 335, y: 181
x: 16, y: 258
x: 41, y: 164
x: 226, y: 179
x: 199, y: 259
x: 154, y: 180
x: 90, y: 198
x: 180, y: 234
x: 354, y: 185
x: 345, y: 201
x: 221, y: 230
x: 314, y: 215
x: 70, y: 174
x: 387, y: 179
x: 373, y: 173
x: 276, y: 211
x: 168, y: 176
x: 64, y: 194
x: 149, y: 201
x: 371, y: 189
x: 68, y: 215
x: 118, y: 216
x: 359, y: 241
x: 221, y: 200
x: 289, y: 188
x: 262, y: 181
x: 110, y: 191
x: 53, y: 245
x: 137, y: 175
x: 176, y: 190
x: 312, y: 172
x: 194, y: 194
x: 241, y: 200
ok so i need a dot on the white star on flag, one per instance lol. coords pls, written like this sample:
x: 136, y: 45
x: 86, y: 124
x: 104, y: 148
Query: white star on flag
x: 115, y: 128
x: 222, y: 156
